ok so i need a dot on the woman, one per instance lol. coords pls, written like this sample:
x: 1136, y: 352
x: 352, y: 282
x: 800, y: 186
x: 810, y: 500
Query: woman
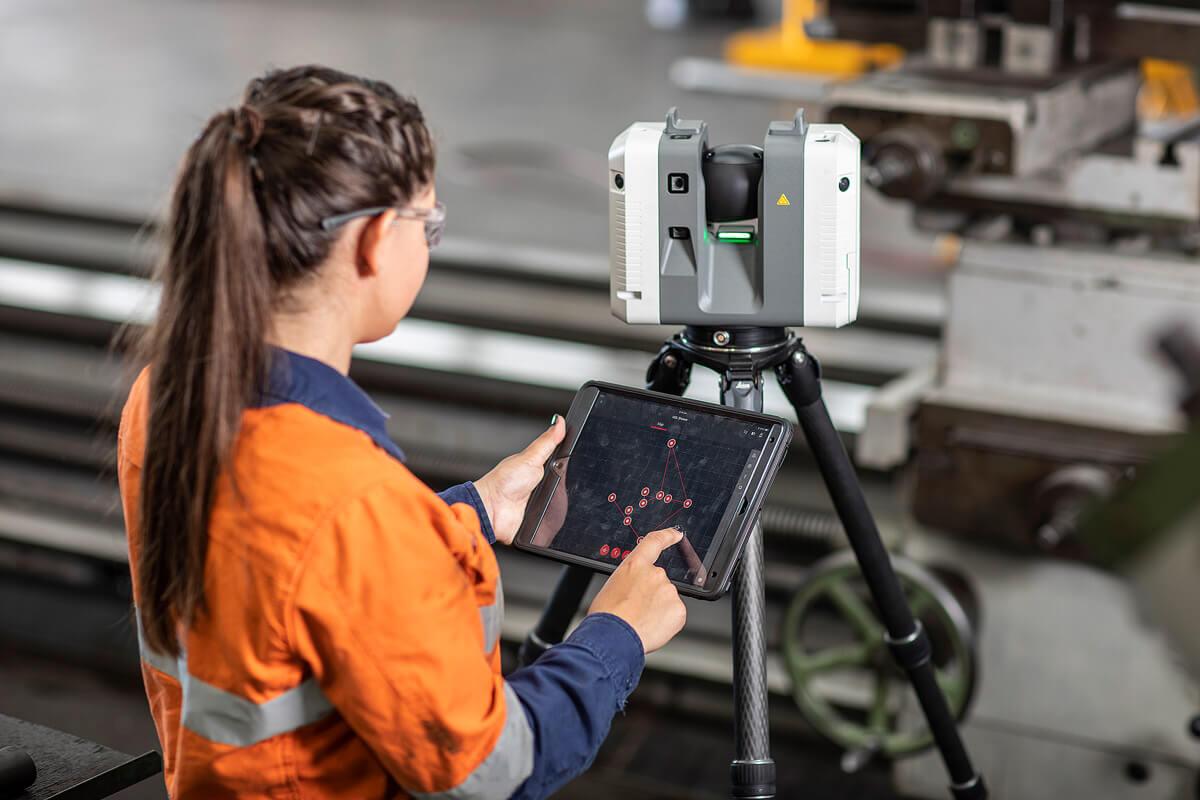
x: 313, y: 620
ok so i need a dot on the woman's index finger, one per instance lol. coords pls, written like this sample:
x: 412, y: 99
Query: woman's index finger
x: 654, y: 543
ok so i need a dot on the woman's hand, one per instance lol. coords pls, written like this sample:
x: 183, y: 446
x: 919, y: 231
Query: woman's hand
x: 640, y: 593
x: 505, y: 490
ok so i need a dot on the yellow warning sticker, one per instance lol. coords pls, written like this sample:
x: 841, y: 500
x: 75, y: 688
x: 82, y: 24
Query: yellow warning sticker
x: 782, y: 201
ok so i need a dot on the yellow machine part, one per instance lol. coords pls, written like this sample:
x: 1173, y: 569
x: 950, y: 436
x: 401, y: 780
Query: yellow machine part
x: 1168, y: 90
x: 788, y: 47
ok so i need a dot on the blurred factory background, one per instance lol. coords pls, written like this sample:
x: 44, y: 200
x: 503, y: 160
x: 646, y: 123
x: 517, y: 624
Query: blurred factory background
x: 1031, y: 238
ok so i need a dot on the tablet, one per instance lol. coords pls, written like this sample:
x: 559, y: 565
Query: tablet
x: 635, y: 461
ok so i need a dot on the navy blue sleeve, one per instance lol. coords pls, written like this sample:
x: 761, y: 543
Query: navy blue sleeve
x: 570, y: 695
x: 467, y: 493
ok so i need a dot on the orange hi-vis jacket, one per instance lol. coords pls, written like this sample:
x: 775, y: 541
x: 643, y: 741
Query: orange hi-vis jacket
x: 349, y: 644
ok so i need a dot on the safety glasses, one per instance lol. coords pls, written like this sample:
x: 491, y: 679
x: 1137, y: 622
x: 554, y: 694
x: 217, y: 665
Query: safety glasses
x: 434, y: 219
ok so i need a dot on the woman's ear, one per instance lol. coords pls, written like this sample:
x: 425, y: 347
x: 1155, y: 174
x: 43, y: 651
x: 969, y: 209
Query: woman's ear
x: 372, y: 244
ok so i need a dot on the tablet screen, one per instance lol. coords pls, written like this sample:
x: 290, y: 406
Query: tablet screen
x: 638, y: 466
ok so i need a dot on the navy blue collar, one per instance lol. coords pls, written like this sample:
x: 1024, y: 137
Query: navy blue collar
x: 294, y: 378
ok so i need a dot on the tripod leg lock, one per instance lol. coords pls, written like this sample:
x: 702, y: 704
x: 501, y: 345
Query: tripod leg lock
x: 974, y: 789
x: 753, y: 780
x: 913, y: 650
x: 912, y: 653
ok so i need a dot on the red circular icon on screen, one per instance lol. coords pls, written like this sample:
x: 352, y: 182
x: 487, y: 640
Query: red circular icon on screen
x: 625, y: 555
x: 603, y: 549
x: 628, y: 520
x: 667, y: 499
x: 645, y: 491
x: 640, y: 539
x: 642, y: 503
x: 612, y: 498
x: 658, y: 496
x: 628, y: 509
x: 687, y: 503
x: 670, y: 443
x: 615, y: 553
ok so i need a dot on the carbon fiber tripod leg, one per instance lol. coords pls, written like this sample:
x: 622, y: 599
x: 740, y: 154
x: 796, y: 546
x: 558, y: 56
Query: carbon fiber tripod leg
x: 752, y: 772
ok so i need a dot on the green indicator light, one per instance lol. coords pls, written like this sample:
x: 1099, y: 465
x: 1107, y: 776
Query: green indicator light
x: 735, y: 236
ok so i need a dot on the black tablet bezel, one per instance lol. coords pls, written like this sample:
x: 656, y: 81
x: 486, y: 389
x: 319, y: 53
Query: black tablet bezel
x: 737, y: 521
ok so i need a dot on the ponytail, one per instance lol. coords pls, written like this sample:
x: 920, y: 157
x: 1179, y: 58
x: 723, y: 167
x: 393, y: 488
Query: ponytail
x: 207, y: 353
x: 307, y: 143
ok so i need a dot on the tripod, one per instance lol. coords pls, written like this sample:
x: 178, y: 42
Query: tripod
x: 740, y: 355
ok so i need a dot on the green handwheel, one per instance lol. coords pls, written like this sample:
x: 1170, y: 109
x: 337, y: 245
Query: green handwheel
x: 843, y: 677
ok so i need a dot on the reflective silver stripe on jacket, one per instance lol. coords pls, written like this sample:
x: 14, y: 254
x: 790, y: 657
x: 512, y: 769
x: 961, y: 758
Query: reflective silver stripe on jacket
x: 226, y: 718
x: 505, y: 768
x: 222, y: 717
x: 161, y: 662
x: 492, y: 618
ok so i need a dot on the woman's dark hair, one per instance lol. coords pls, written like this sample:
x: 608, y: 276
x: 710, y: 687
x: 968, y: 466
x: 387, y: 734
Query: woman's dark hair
x: 244, y: 226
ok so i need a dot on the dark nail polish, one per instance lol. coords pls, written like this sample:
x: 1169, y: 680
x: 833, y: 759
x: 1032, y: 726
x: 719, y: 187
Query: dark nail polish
x: 554, y: 420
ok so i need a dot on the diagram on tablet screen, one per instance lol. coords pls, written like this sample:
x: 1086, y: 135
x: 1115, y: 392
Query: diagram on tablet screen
x: 637, y: 467
x: 670, y: 497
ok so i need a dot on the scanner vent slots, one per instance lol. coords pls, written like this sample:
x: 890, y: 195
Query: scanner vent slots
x: 831, y: 287
x: 628, y: 266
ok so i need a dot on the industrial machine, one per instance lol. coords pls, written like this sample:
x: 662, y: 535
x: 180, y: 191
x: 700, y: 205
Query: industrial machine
x: 1012, y: 129
x: 1014, y: 126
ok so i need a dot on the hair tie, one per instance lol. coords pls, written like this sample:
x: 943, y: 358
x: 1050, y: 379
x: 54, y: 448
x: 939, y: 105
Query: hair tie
x: 248, y: 125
